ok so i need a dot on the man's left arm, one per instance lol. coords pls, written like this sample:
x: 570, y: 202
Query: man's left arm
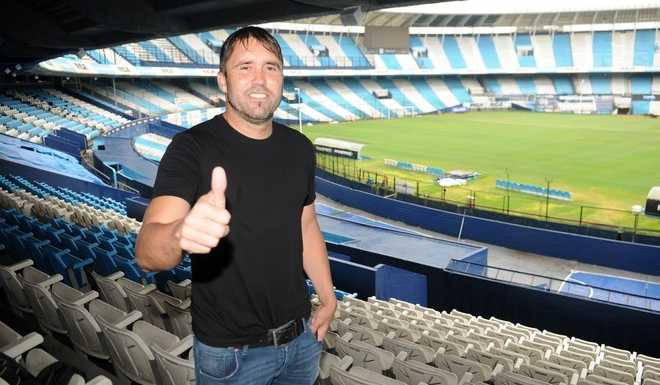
x: 317, y: 267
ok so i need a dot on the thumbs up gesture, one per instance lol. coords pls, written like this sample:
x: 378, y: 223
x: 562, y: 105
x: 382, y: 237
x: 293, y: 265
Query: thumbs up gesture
x: 208, y: 220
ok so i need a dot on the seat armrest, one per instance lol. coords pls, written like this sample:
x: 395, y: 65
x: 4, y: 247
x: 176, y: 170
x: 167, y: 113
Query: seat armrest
x: 183, y: 345
x: 25, y: 343
x: 116, y: 275
x: 129, y: 319
x: 21, y: 265
x: 50, y: 281
x: 86, y: 298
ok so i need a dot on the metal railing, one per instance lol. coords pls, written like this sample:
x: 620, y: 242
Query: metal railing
x: 504, y: 205
x: 555, y: 285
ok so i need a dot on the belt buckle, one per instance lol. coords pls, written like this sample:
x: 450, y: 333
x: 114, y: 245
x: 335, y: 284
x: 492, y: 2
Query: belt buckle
x: 282, y: 332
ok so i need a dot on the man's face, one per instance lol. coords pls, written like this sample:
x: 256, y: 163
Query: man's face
x: 252, y: 80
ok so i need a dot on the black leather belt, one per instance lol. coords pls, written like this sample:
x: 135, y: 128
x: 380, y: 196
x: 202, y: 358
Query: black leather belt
x: 281, y: 335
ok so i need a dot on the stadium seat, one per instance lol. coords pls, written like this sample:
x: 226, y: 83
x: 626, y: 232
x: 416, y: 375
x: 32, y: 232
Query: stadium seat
x: 415, y: 372
x: 181, y: 290
x: 37, y: 360
x: 414, y: 351
x: 466, y: 370
x: 360, y: 333
x: 15, y: 345
x: 173, y: 369
x: 82, y: 329
x: 37, y: 285
x: 614, y: 374
x: 495, y: 362
x: 363, y: 354
x: 328, y: 361
x: 359, y: 376
x: 546, y: 375
x: 149, y: 301
x: 516, y: 379
x: 179, y: 317
x: 129, y: 348
x: 111, y: 290
x: 13, y: 288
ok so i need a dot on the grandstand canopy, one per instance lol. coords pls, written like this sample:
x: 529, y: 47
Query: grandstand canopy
x: 508, y: 13
x: 33, y: 30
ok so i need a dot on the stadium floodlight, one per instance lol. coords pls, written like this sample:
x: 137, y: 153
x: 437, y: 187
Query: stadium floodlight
x: 299, y: 102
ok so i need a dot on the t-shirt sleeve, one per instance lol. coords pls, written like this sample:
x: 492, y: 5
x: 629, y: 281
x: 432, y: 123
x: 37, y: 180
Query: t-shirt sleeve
x: 311, y: 181
x: 178, y: 172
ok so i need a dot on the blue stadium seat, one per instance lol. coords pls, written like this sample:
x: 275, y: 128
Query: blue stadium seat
x: 70, y: 266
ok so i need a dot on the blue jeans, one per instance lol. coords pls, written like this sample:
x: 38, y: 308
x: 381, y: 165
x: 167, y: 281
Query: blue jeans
x: 296, y: 363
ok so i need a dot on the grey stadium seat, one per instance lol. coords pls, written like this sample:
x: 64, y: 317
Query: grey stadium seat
x: 614, y: 374
x: 415, y: 352
x: 329, y: 361
x: 181, y: 290
x: 360, y: 376
x: 111, y: 291
x: 14, y: 288
x: 83, y: 330
x: 546, y: 375
x: 179, y: 316
x: 516, y: 379
x: 37, y: 290
x: 129, y: 349
x: 463, y: 368
x: 414, y: 372
x: 363, y: 354
x: 15, y: 345
x: 172, y: 368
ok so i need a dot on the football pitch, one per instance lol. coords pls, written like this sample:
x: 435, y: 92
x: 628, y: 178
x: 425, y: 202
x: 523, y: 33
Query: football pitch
x: 608, y: 162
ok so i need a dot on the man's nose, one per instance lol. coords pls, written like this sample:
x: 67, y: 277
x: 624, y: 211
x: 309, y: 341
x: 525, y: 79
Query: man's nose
x: 259, y: 76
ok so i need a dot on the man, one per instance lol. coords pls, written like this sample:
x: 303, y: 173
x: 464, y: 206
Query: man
x: 237, y: 193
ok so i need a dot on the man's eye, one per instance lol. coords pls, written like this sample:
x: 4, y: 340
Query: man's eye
x: 243, y: 67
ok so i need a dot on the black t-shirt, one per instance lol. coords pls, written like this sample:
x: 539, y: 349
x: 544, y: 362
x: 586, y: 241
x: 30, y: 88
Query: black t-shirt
x: 253, y: 280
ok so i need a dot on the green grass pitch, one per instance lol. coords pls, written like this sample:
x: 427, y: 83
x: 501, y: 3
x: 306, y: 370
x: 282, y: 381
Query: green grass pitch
x: 604, y: 161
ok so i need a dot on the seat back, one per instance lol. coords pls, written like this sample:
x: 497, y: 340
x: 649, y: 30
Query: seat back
x: 172, y: 369
x: 142, y: 301
x: 360, y: 376
x: 546, y: 375
x: 460, y: 366
x: 509, y: 378
x: 364, y: 355
x: 83, y: 330
x: 14, y: 288
x: 180, y: 318
x: 414, y: 372
x: 130, y: 355
x: 490, y: 359
x: 37, y: 291
x: 111, y: 291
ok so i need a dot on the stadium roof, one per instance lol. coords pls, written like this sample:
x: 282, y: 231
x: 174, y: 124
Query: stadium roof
x: 508, y: 13
x: 32, y: 30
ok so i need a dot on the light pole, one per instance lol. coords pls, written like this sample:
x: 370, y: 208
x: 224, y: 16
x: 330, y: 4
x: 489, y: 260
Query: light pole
x: 299, y: 100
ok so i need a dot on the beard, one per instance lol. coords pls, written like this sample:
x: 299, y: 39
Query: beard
x: 260, y: 115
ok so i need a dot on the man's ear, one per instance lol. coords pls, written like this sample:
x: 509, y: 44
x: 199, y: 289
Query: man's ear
x: 222, y: 82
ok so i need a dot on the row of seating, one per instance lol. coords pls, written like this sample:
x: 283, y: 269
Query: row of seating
x: 26, y: 350
x: 131, y: 335
x: 40, y: 98
x: 416, y: 345
x: 44, y: 190
x: 40, y: 120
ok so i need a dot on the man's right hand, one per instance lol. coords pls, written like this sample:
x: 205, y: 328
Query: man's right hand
x: 208, y: 220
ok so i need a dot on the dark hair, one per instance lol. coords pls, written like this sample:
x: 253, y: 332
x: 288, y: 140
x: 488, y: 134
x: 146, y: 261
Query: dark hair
x: 242, y: 36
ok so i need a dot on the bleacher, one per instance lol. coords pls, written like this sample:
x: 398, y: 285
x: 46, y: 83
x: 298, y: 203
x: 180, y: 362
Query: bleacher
x: 67, y: 260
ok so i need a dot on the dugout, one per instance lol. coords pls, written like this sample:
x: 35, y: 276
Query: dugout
x: 338, y: 147
x: 653, y: 202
